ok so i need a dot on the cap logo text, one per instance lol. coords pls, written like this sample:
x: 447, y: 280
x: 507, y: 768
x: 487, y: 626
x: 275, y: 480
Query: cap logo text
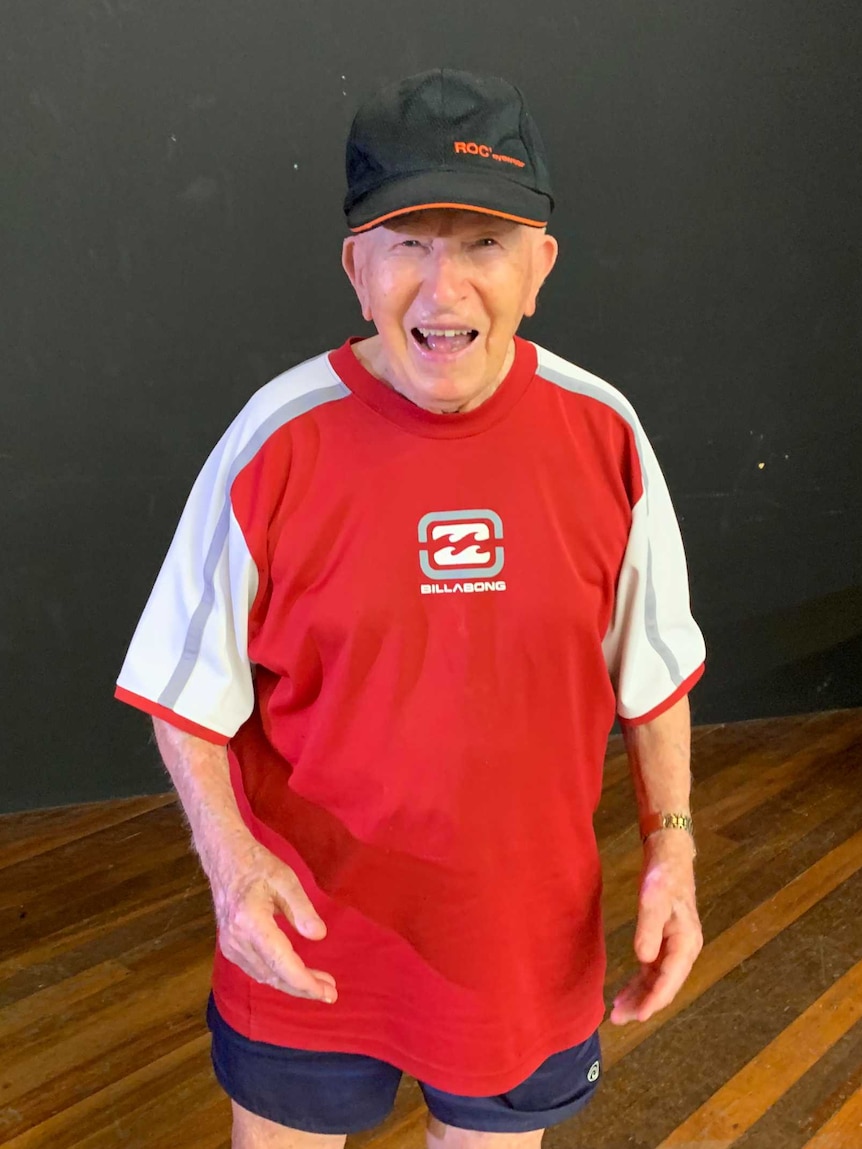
x: 473, y: 149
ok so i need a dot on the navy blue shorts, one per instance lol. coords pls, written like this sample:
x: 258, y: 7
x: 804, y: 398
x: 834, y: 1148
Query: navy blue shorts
x: 349, y: 1092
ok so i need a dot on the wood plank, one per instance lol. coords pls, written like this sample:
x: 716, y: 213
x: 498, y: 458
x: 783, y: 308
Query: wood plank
x: 740, y: 1103
x: 813, y: 1100
x: 732, y: 768
x: 742, y: 792
x: 770, y: 870
x: 45, y: 1004
x: 55, y: 929
x: 114, y: 940
x: 95, y: 1039
x: 34, y: 832
x: 731, y: 883
x: 656, y: 1087
x: 833, y: 772
x: 843, y: 1130
x: 96, y: 860
x: 758, y: 777
x: 51, y: 1075
x: 110, y: 1111
x: 742, y: 940
x: 845, y: 1084
x: 187, y: 948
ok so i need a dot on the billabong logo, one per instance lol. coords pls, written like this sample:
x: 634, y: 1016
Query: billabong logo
x: 461, y: 544
x: 461, y: 587
x: 594, y: 1071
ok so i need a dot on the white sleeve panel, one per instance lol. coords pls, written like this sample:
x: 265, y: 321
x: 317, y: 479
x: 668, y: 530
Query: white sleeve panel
x: 189, y: 653
x: 653, y: 646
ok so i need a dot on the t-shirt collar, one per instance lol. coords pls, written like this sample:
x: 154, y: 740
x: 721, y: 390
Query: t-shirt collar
x: 397, y: 409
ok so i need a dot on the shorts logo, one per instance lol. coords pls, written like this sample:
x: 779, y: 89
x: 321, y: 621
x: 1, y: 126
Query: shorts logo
x: 594, y: 1071
x: 461, y: 544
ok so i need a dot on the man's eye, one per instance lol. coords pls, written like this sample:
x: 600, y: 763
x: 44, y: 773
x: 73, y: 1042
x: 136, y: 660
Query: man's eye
x: 486, y: 241
x: 411, y: 243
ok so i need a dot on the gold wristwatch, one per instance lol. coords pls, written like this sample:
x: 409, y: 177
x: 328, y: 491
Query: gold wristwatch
x: 655, y: 822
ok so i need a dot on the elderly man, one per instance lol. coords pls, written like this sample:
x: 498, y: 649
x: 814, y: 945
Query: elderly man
x: 412, y: 586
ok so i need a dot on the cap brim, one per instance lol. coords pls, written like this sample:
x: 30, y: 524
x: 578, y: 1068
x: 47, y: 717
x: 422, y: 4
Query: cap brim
x: 467, y: 191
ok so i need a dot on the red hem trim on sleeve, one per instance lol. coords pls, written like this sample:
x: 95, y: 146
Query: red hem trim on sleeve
x: 680, y: 692
x: 157, y: 711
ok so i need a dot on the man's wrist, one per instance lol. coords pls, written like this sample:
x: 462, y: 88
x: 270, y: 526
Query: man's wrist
x: 666, y: 824
x: 660, y: 820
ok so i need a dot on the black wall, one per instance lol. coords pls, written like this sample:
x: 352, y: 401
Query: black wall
x: 172, y: 176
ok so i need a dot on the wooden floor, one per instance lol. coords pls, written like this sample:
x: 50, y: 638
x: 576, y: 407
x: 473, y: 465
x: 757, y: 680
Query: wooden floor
x: 105, y: 944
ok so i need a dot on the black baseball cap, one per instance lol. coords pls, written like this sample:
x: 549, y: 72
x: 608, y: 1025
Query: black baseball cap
x: 446, y: 139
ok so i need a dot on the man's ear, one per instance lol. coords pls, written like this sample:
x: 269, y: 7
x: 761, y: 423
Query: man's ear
x: 354, y: 263
x: 544, y: 257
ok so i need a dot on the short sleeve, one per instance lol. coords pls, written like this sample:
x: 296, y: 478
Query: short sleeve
x: 654, y: 649
x: 188, y: 659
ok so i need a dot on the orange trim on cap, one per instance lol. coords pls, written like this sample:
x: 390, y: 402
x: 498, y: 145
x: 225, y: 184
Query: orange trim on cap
x: 459, y: 206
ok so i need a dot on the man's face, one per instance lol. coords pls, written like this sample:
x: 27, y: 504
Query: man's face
x: 431, y: 272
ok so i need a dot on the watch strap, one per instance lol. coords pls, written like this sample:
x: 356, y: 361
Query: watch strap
x: 655, y: 822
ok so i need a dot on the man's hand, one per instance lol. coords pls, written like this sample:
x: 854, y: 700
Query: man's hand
x: 249, y: 888
x: 249, y: 884
x: 668, y: 937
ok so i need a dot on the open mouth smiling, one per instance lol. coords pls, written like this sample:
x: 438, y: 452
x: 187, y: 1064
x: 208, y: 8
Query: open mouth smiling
x: 446, y: 340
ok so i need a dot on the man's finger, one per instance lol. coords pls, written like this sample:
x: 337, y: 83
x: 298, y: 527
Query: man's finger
x: 654, y: 910
x: 294, y: 981
x: 628, y: 1000
x: 674, y: 969
x: 625, y: 1009
x: 249, y: 962
x: 279, y: 956
x: 658, y: 998
x: 292, y: 900
x: 322, y: 976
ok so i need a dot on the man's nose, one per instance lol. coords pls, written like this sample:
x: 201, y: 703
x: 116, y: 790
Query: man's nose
x: 445, y: 279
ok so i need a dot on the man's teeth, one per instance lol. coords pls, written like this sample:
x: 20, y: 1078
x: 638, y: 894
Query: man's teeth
x: 426, y: 331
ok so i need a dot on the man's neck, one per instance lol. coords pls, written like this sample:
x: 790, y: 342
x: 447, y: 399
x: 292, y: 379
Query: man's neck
x: 369, y: 352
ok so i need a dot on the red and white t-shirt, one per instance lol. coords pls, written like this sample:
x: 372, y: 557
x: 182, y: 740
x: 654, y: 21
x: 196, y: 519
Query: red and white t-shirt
x: 413, y: 632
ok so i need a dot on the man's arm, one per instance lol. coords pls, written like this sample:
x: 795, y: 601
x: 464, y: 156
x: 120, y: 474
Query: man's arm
x: 668, y: 937
x: 249, y: 884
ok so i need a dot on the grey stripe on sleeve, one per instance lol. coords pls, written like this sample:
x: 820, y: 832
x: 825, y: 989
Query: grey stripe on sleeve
x: 651, y: 625
x: 194, y: 636
x: 584, y: 387
x: 610, y: 399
